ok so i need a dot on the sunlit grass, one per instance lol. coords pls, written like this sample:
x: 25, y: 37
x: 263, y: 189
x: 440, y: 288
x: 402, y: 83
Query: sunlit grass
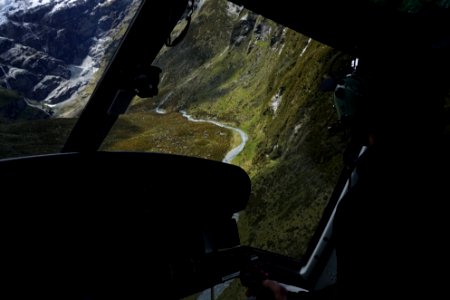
x: 170, y: 133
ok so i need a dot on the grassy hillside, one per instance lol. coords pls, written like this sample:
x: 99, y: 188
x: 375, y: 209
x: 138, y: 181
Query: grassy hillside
x: 292, y: 158
x: 24, y: 138
x: 171, y: 133
x: 265, y: 81
x: 25, y: 130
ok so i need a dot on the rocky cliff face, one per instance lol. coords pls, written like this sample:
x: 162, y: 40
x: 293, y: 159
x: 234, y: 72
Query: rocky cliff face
x: 50, y: 49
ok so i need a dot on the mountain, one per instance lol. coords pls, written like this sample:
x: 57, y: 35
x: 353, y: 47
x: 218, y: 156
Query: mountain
x: 50, y: 49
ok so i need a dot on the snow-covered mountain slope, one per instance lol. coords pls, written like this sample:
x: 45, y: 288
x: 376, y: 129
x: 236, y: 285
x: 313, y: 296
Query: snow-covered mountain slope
x: 49, y: 49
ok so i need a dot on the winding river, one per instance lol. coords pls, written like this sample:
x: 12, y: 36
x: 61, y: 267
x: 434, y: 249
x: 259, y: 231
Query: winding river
x: 233, y: 152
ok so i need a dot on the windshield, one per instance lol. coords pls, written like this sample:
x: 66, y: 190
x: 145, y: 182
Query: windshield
x: 52, y: 54
x: 239, y: 88
x: 245, y: 90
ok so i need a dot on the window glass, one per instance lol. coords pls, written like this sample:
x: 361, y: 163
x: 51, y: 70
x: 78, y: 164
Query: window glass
x: 52, y: 53
x: 246, y: 90
x: 239, y: 88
